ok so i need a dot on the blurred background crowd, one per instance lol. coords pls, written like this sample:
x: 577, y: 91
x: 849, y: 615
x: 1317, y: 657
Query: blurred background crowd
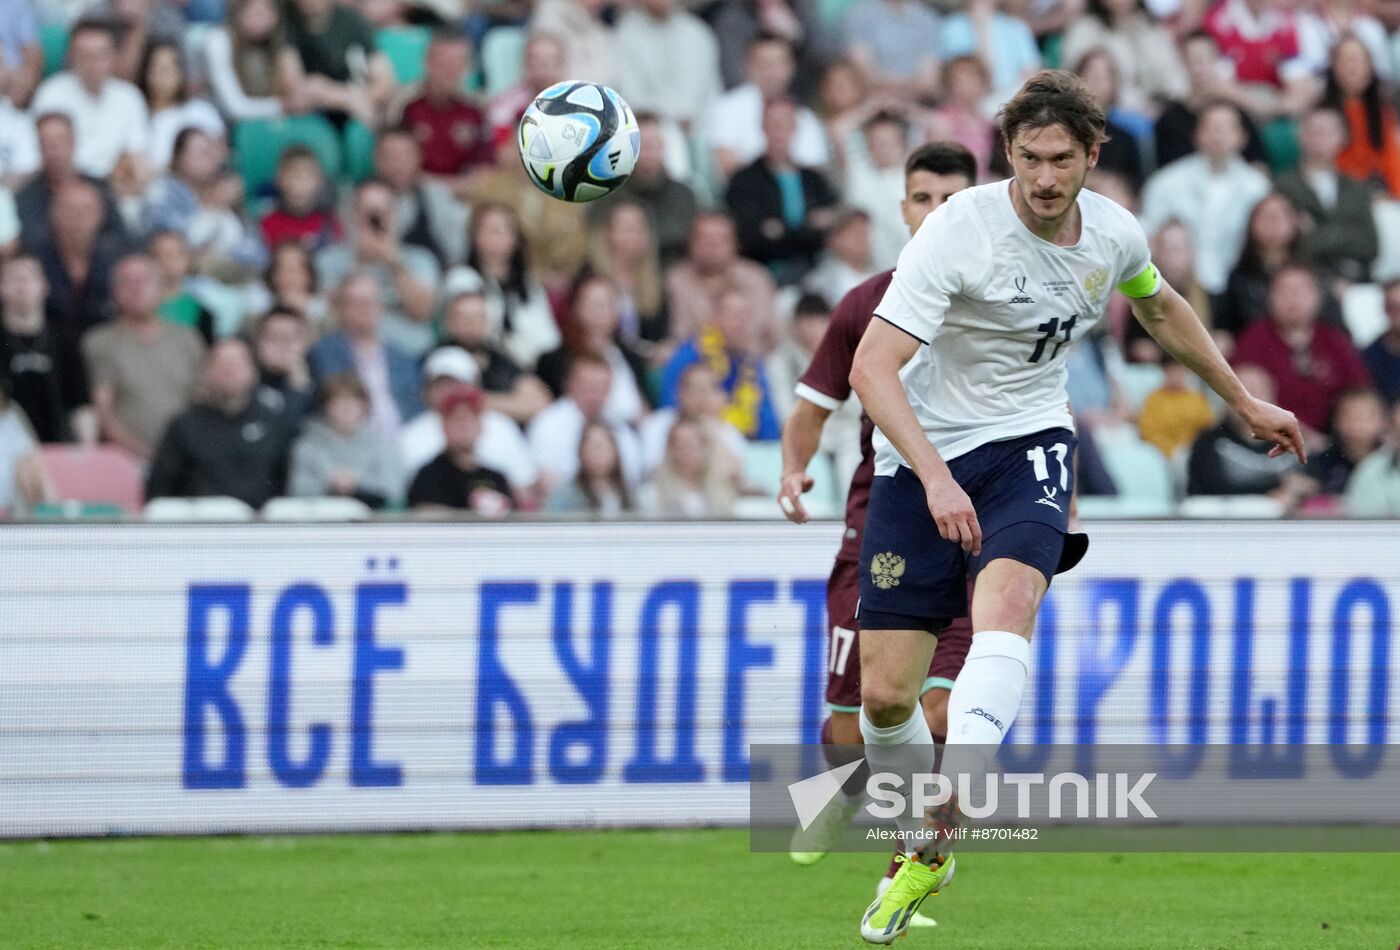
x: 257, y: 250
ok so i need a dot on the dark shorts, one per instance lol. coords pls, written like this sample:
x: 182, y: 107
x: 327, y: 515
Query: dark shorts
x: 843, y: 647
x: 912, y: 579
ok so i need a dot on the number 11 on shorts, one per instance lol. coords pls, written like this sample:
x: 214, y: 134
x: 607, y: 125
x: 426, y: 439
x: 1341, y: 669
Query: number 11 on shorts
x: 1038, y: 460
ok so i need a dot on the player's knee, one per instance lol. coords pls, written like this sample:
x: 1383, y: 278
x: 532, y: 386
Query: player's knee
x: 886, y: 704
x: 1013, y: 607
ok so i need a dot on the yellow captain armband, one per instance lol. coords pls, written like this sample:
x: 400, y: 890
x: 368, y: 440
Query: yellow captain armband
x: 1144, y: 284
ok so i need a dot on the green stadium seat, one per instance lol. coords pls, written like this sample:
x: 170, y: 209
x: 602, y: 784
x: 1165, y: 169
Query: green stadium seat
x: 358, y: 149
x: 258, y: 143
x: 405, y: 46
x: 77, y: 510
x: 1281, y: 144
x: 53, y: 39
x: 502, y: 57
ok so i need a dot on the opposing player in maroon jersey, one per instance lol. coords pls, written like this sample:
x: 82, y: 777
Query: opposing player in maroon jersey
x: 932, y: 173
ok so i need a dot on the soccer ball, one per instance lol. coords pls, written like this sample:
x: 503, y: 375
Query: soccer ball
x: 578, y: 140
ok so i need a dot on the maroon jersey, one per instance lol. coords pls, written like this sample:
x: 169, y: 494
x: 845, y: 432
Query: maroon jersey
x: 827, y: 384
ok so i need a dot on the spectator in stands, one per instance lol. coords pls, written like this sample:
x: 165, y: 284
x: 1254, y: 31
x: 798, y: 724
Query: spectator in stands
x: 543, y: 65
x: 1374, y: 488
x: 304, y: 210
x: 165, y: 86
x: 179, y: 304
x: 1358, y: 429
x: 227, y: 443
x: 1149, y: 66
x: 1120, y: 154
x: 426, y: 212
x: 497, y: 263
x: 108, y: 114
x: 1211, y: 191
x: 254, y: 71
x: 781, y: 212
x: 291, y: 281
x: 142, y: 369
x: 22, y: 481
x: 19, y: 146
x: 508, y: 388
x: 500, y: 446
x: 1271, y: 241
x: 894, y: 43
x: 1175, y: 413
x: 448, y: 124
x: 1175, y: 258
x: 713, y: 266
x: 57, y: 148
x: 591, y: 327
x: 389, y: 374
x: 281, y: 339
x: 1228, y: 460
x: 406, y: 275
x: 599, y: 489
x: 875, y: 185
x: 21, y: 54
x: 846, y: 104
x: 1339, y: 231
x: 848, y: 259
x: 699, y: 399
x: 670, y: 204
x: 346, y: 75
x: 1353, y: 88
x: 735, y: 119
x: 623, y: 249
x: 43, y: 371
x: 338, y: 454
x: 456, y: 479
x: 1260, y: 39
x: 690, y: 482
x: 1210, y: 81
x: 202, y: 199
x: 587, y: 37
x: 1003, y: 40
x: 729, y: 345
x: 1309, y: 362
x: 555, y: 433
x: 135, y: 25
x: 77, y: 258
x: 668, y: 61
x: 1382, y: 357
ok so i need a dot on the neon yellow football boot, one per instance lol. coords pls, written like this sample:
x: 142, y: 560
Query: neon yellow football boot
x: 888, y: 918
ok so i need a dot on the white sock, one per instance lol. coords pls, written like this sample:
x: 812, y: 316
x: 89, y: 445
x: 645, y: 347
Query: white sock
x: 986, y: 695
x: 903, y: 749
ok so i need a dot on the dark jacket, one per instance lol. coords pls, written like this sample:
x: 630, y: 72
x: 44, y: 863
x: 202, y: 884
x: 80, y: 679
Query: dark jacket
x: 756, y: 202
x: 333, y: 354
x: 1223, y: 463
x: 1343, y: 239
x: 205, y: 452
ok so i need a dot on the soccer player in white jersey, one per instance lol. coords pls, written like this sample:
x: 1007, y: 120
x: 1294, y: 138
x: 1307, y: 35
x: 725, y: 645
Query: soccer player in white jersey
x: 963, y: 373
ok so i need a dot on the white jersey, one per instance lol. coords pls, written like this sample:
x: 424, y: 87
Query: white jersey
x: 997, y: 306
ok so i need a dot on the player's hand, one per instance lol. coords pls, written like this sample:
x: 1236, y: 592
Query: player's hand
x: 953, y: 513
x: 790, y: 493
x: 1279, y: 426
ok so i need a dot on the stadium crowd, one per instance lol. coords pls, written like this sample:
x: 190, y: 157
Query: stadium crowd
x: 271, y: 249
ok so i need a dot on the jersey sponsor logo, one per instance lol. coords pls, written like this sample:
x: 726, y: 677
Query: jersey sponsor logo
x: 1021, y: 296
x: 1095, y: 282
x: 886, y: 570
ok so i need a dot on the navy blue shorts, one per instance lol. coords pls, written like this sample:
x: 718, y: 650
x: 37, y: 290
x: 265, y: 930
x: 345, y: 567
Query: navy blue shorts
x: 912, y: 579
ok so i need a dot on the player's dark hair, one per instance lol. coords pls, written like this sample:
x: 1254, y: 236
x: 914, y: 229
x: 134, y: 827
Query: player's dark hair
x: 942, y: 158
x: 1055, y: 97
x: 811, y: 305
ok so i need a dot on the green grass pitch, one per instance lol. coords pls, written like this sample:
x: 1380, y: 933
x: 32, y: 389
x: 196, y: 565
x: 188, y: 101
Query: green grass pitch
x: 701, y: 889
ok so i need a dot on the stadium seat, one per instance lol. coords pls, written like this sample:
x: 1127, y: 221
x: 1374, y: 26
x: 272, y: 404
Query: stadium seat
x: 258, y: 143
x: 53, y: 39
x: 316, y: 509
x: 358, y: 149
x: 96, y: 475
x: 1230, y: 506
x: 502, y: 57
x: 763, y: 469
x: 1140, y: 471
x: 405, y: 47
x: 219, y: 508
x: 73, y: 510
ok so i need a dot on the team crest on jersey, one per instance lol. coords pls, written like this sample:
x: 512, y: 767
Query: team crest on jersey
x: 1021, y: 296
x: 1095, y: 282
x: 886, y: 570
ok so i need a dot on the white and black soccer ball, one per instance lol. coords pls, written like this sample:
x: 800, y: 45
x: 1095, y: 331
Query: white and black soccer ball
x: 578, y: 140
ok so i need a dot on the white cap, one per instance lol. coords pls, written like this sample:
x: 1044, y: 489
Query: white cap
x: 461, y: 280
x: 453, y: 362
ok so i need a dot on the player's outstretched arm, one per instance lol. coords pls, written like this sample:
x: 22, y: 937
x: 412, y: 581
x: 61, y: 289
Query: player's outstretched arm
x: 882, y: 354
x: 802, y: 435
x: 1174, y: 325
